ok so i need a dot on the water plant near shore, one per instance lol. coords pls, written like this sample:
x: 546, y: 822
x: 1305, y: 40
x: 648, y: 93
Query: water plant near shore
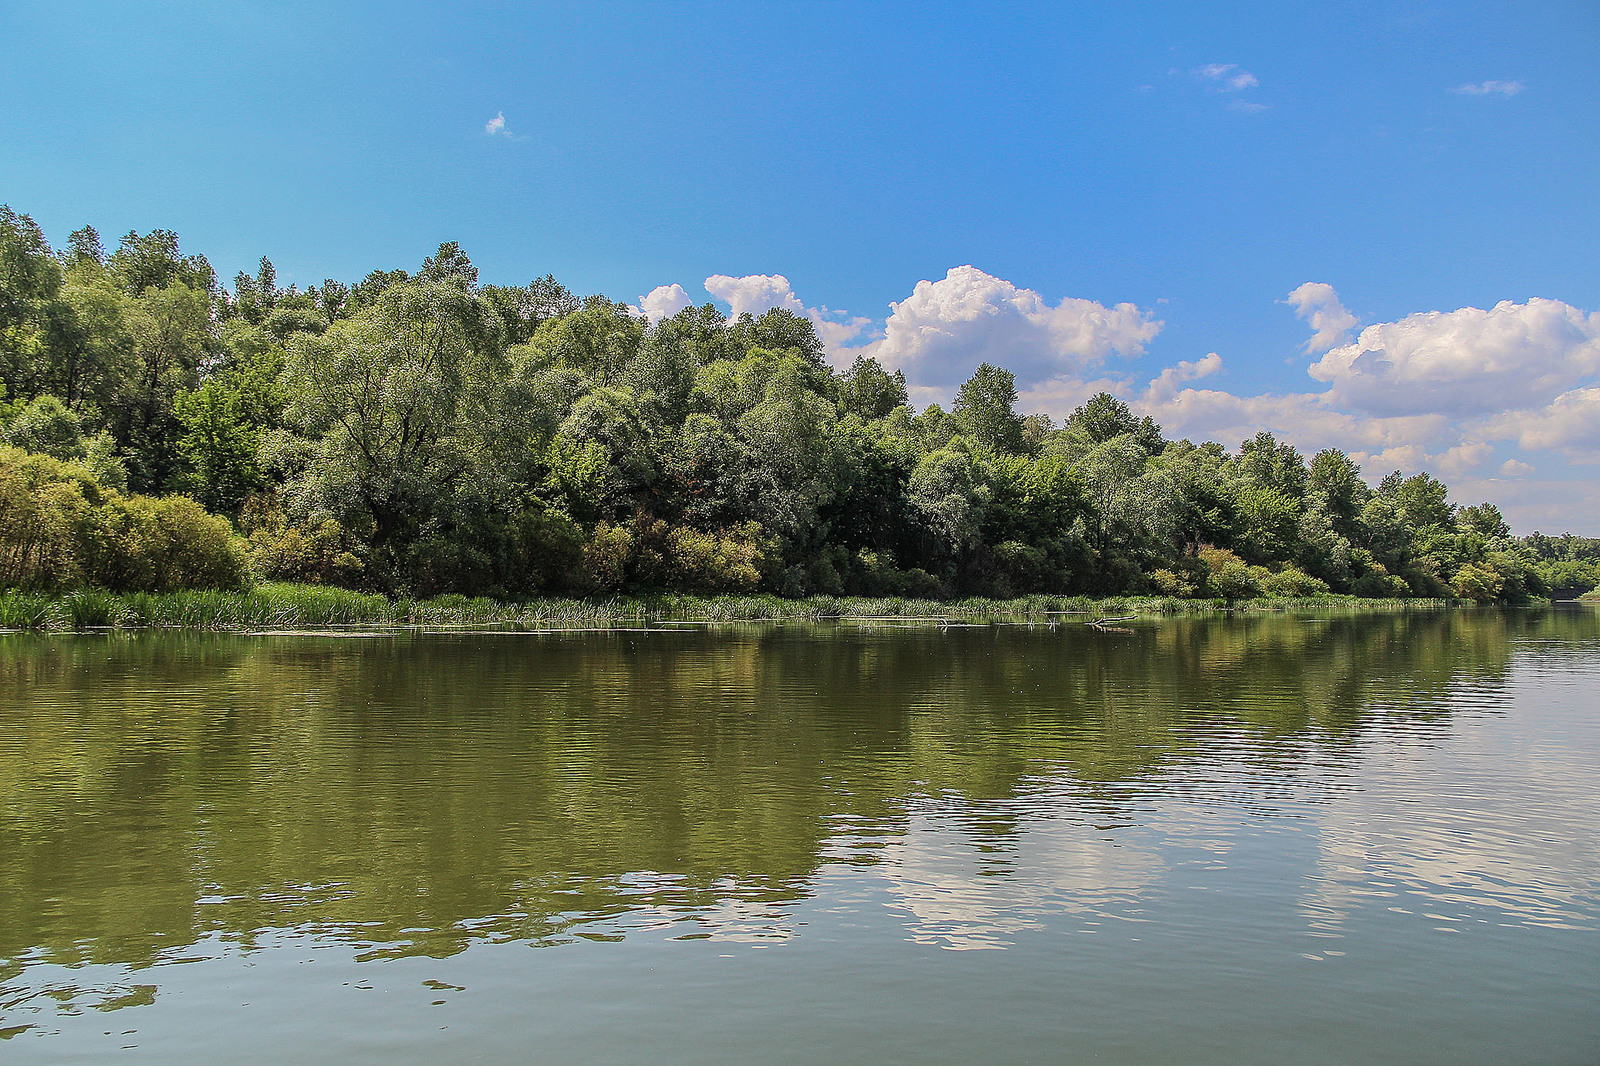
x: 283, y: 607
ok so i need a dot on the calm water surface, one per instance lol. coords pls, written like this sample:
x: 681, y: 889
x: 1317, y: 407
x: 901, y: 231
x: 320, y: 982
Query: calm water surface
x: 1266, y: 838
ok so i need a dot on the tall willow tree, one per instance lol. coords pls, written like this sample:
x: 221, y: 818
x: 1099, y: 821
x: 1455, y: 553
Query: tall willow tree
x: 393, y: 403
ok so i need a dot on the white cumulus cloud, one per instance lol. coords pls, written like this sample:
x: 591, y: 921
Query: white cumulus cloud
x: 1490, y: 88
x: 1465, y: 362
x: 1569, y: 424
x: 1531, y: 503
x: 664, y: 301
x: 1318, y: 304
x: 1450, y: 392
x: 754, y: 293
x: 1165, y: 385
x: 1304, y: 418
x: 941, y: 332
x: 497, y: 125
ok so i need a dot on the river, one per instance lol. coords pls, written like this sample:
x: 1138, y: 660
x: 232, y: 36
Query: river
x: 1261, y: 838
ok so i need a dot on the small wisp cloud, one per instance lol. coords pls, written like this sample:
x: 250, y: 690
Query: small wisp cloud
x: 496, y: 127
x: 1228, y: 76
x: 1490, y: 88
x: 1231, y: 79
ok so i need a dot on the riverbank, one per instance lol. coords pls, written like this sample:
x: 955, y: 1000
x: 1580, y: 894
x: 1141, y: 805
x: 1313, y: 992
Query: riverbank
x: 267, y: 607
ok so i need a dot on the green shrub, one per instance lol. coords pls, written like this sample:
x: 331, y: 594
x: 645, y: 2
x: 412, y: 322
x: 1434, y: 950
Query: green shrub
x: 60, y: 529
x: 1481, y: 584
x: 875, y: 574
x: 1291, y: 581
x: 1188, y: 577
x: 318, y: 555
x: 1231, y: 577
x: 606, y: 558
x: 1019, y: 567
x: 150, y: 544
x: 728, y: 561
x: 1422, y: 578
x: 45, y: 504
x: 45, y: 425
x: 918, y: 584
x: 1379, y: 584
x: 1172, y: 583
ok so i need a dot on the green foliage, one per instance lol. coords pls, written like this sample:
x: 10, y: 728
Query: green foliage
x: 1103, y: 417
x: 1266, y: 464
x: 729, y: 560
x: 220, y: 443
x: 1293, y: 583
x: 172, y: 337
x: 1478, y: 582
x: 386, y: 400
x: 153, y: 262
x: 1269, y: 523
x: 45, y: 425
x: 1229, y: 576
x: 779, y: 330
x: 422, y: 433
x: 60, y: 529
x: 949, y: 502
x: 148, y: 544
x: 1379, y: 584
x: 30, y: 313
x: 867, y: 391
x: 606, y: 558
x: 985, y: 409
x: 45, y: 514
x: 320, y: 552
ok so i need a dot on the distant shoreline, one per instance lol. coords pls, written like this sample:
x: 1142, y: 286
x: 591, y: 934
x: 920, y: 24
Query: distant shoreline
x: 292, y: 607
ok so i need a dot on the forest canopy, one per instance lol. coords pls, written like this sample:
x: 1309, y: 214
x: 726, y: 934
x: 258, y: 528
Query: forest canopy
x: 425, y: 433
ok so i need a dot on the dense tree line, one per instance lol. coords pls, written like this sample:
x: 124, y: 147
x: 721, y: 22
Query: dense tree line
x: 429, y: 433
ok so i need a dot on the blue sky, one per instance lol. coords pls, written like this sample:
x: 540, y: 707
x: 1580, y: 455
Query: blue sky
x: 1417, y: 164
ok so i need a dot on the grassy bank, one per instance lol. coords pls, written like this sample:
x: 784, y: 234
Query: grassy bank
x: 308, y: 606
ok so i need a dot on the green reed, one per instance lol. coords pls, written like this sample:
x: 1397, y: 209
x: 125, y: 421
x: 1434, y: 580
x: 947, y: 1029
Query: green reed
x: 283, y: 606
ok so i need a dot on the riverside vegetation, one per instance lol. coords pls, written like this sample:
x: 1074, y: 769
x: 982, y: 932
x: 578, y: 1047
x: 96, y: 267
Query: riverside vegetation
x: 358, y: 452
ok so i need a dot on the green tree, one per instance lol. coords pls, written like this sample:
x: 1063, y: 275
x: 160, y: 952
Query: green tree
x: 780, y: 330
x: 30, y: 287
x: 599, y: 341
x: 523, y: 308
x: 1103, y: 416
x: 449, y: 266
x: 945, y: 497
x: 868, y: 391
x: 391, y: 400
x: 173, y: 336
x: 220, y: 442
x: 153, y: 261
x: 1265, y: 463
x: 985, y: 409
